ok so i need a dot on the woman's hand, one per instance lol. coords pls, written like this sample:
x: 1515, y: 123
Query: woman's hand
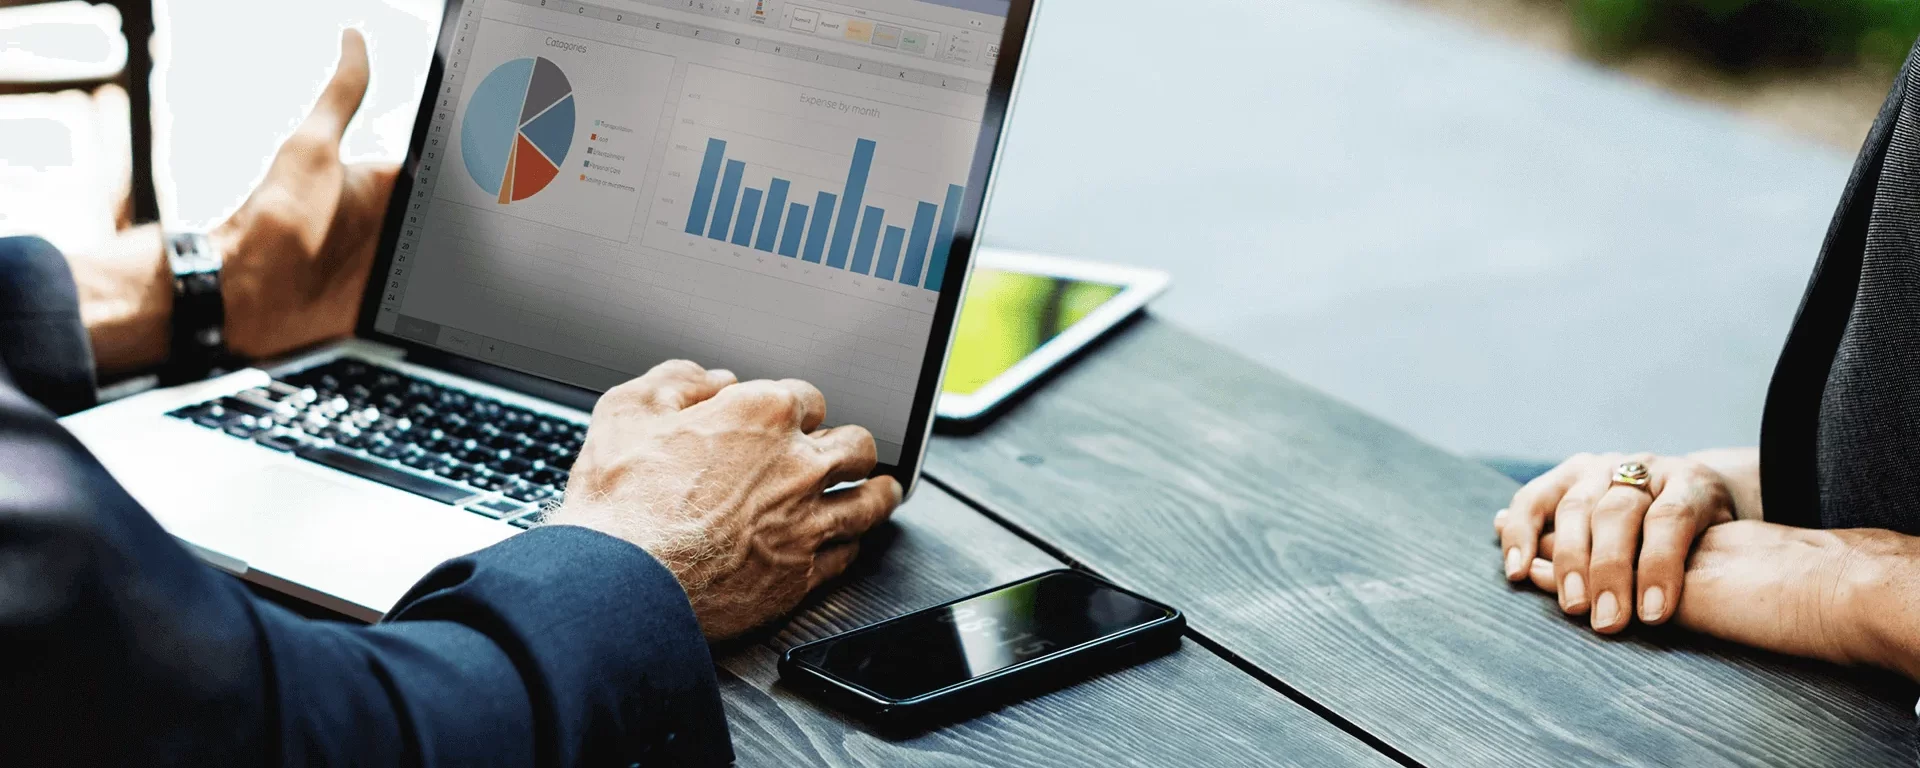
x: 1617, y: 547
x: 1846, y: 596
x: 298, y: 251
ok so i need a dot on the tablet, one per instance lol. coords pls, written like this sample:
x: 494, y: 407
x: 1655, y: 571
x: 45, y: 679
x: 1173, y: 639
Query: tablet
x: 1026, y: 313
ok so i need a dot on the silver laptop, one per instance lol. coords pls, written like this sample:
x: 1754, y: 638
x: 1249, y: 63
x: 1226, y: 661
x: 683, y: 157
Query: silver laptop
x: 784, y: 189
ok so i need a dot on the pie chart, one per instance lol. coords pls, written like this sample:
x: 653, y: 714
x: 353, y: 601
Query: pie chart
x: 517, y: 128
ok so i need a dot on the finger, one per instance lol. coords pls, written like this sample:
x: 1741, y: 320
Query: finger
x: 1529, y: 512
x: 810, y: 407
x: 850, y: 449
x: 1499, y: 522
x: 1546, y: 547
x: 1542, y: 574
x: 851, y: 512
x: 341, y: 100
x: 1616, y: 541
x: 675, y: 385
x: 1572, y: 521
x: 831, y: 562
x: 1672, y: 523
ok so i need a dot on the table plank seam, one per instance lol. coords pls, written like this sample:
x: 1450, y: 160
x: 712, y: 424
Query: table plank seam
x: 1247, y: 667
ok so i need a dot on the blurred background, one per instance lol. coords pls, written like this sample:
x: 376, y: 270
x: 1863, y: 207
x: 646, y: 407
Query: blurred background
x: 1516, y: 228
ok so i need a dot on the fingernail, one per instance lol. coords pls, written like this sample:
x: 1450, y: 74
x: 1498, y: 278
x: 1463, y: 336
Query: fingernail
x: 1652, y: 603
x: 1513, y: 563
x: 1573, y: 592
x: 899, y: 491
x: 1499, y: 517
x: 1606, y: 610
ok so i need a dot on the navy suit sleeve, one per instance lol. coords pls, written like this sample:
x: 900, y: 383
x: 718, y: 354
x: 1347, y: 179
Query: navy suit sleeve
x: 560, y: 646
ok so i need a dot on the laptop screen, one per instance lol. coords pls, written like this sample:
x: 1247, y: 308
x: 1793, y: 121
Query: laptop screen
x: 768, y: 186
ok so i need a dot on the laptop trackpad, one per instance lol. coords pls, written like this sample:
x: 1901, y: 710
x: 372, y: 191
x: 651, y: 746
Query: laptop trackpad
x: 356, y: 541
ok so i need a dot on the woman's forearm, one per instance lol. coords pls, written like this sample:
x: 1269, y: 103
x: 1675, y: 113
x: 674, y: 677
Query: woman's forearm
x: 1882, y: 584
x: 1740, y: 468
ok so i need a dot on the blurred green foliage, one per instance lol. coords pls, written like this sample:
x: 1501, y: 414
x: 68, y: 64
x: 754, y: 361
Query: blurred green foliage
x: 1740, y: 34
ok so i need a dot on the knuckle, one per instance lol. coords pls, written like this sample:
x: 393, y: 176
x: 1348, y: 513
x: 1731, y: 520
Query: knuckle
x: 1526, y: 500
x: 632, y: 391
x: 1666, y: 512
x: 1615, y: 508
x: 1609, y: 562
x: 803, y: 390
x: 680, y: 368
x: 781, y: 398
x: 1570, y: 548
x: 1574, y: 503
x: 860, y: 438
x: 1661, y: 558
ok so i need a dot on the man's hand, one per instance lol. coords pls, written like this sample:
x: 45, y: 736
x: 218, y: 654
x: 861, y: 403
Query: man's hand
x: 726, y: 484
x: 298, y: 251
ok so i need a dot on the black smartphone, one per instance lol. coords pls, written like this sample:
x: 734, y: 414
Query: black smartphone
x: 984, y: 650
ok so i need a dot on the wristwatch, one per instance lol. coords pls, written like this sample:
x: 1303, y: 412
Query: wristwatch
x: 199, y: 312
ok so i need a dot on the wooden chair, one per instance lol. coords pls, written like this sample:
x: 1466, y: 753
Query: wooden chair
x: 137, y: 26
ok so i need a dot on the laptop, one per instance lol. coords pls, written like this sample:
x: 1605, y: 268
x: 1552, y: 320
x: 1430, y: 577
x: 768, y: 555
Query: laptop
x: 783, y: 188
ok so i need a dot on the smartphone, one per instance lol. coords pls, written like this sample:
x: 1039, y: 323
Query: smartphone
x: 984, y: 650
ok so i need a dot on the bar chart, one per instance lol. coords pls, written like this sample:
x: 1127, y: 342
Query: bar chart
x: 836, y: 230
x: 819, y: 186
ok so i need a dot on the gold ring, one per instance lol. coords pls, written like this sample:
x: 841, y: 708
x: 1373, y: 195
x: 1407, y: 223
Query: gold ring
x: 1632, y: 474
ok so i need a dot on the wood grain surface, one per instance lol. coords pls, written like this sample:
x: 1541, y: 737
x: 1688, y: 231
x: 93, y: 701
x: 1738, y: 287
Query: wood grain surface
x: 1357, y: 566
x: 1187, y: 708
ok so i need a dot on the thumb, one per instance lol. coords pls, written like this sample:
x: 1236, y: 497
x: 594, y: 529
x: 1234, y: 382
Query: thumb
x: 341, y: 100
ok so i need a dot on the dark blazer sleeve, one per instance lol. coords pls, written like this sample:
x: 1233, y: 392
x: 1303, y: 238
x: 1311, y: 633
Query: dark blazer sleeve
x: 560, y: 646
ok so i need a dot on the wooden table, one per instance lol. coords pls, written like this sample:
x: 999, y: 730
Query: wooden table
x: 1356, y: 566
x: 1187, y: 708
x: 1342, y: 587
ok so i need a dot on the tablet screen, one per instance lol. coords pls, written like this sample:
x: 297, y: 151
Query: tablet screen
x: 1010, y: 315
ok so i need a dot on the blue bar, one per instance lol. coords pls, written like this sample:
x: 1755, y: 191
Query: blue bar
x: 917, y: 245
x: 790, y: 239
x: 850, y: 202
x: 869, y: 232
x: 749, y: 208
x: 729, y: 193
x: 776, y: 202
x: 817, y: 231
x: 889, y: 252
x: 703, y: 191
x: 943, y: 244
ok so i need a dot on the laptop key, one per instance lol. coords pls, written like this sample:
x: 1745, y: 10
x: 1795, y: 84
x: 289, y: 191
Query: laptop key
x: 498, y: 508
x: 278, y: 442
x: 445, y: 493
x: 237, y: 405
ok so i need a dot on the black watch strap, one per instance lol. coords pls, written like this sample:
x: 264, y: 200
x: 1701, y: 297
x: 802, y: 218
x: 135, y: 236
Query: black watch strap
x: 199, y: 312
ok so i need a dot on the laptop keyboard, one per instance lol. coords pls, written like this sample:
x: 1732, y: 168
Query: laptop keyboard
x: 455, y: 447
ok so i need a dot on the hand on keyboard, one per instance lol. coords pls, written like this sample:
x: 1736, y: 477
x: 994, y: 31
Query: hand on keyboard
x: 726, y: 483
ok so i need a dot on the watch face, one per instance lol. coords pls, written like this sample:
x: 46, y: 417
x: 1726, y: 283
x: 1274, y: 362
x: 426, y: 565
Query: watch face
x: 191, y: 253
